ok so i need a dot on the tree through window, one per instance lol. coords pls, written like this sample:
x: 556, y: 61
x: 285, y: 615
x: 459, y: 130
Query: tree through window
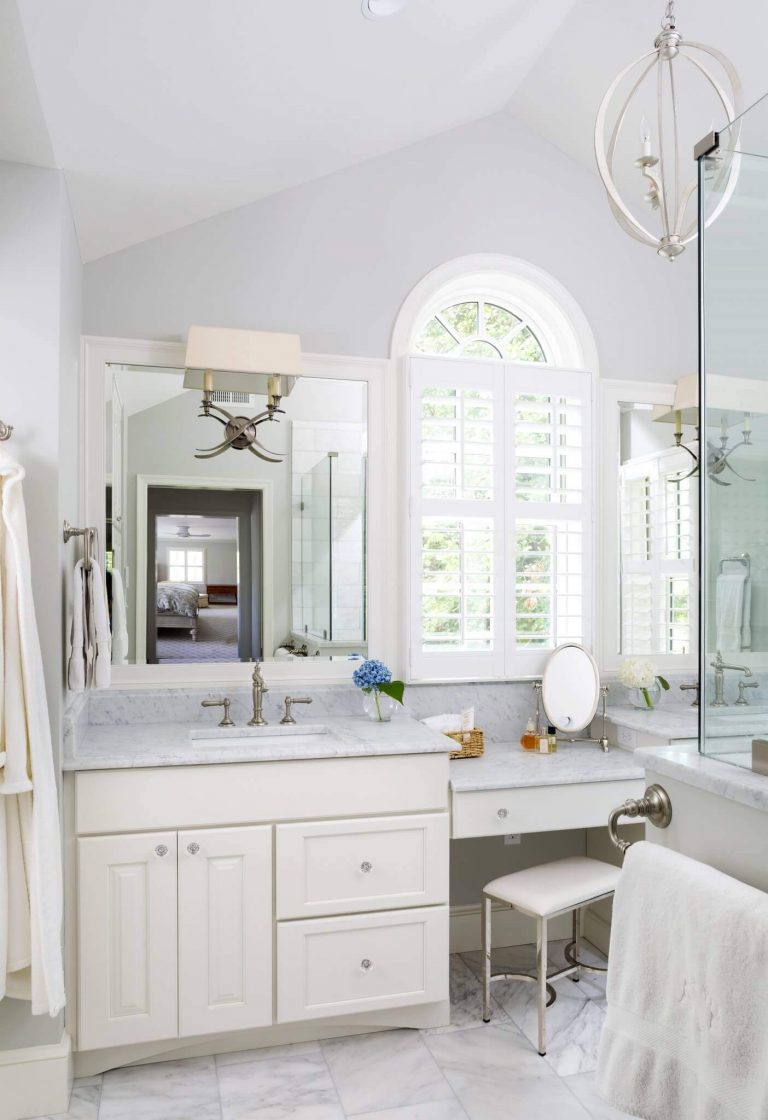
x: 480, y: 329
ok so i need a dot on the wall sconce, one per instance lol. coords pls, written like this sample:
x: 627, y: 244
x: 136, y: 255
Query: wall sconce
x: 222, y: 362
x: 685, y: 410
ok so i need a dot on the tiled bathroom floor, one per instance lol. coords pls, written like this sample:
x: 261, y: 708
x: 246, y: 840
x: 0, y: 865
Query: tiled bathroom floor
x: 466, y: 1071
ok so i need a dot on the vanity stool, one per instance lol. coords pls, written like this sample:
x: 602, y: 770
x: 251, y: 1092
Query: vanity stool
x: 545, y: 892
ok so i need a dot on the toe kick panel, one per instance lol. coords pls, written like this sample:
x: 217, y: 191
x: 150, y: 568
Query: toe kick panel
x: 337, y: 966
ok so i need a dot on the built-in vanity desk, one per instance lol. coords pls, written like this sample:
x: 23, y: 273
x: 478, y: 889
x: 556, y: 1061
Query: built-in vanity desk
x: 632, y: 727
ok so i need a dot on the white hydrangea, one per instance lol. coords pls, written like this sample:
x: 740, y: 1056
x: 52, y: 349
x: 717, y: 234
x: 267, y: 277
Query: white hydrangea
x: 635, y: 672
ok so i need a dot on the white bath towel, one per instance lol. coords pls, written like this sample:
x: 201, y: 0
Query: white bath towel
x: 90, y: 655
x: 119, y: 620
x: 729, y: 611
x: 686, y: 1034
x: 30, y: 850
x: 746, y: 615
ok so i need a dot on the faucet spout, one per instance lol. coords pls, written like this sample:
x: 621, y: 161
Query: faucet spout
x: 259, y: 688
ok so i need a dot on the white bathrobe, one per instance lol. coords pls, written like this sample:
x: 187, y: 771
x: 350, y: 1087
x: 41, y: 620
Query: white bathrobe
x: 31, y: 964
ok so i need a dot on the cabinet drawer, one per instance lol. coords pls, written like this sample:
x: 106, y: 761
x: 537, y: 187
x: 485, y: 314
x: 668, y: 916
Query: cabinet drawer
x: 539, y: 808
x: 337, y: 867
x: 342, y: 966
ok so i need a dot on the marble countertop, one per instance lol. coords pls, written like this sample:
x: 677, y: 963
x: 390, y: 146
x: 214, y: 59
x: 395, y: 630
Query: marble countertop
x: 506, y: 765
x: 735, y: 783
x: 670, y: 723
x: 123, y: 746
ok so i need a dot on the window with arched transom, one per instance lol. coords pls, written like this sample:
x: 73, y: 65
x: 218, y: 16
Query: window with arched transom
x: 480, y: 328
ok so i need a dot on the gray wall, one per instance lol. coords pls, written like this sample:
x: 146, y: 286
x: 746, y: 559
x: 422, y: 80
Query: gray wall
x: 335, y: 259
x: 40, y: 312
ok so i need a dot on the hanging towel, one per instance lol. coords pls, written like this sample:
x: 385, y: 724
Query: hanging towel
x: 746, y: 615
x: 90, y: 655
x: 686, y: 1034
x: 30, y: 850
x: 119, y: 620
x: 730, y: 610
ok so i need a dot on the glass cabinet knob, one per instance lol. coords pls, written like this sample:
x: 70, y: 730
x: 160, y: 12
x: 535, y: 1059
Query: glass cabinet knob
x: 365, y: 867
x: 502, y: 814
x: 193, y: 848
x: 366, y: 965
x: 161, y: 850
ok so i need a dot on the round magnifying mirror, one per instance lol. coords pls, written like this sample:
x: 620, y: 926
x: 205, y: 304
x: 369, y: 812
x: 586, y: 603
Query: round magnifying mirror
x: 570, y: 688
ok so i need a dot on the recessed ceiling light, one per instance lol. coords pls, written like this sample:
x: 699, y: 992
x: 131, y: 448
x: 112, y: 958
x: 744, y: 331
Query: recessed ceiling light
x: 380, y: 9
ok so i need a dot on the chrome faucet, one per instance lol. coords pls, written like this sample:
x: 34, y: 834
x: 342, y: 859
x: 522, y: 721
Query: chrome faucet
x: 720, y: 666
x: 289, y: 702
x: 742, y: 700
x: 259, y: 688
x: 690, y: 688
x: 223, y: 703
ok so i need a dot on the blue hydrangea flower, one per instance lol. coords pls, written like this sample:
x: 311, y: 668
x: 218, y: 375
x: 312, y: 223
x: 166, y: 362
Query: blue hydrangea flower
x: 371, y: 674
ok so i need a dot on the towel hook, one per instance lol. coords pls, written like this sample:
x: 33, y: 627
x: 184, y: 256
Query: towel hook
x: 89, y: 541
x: 5, y: 430
x: 654, y: 805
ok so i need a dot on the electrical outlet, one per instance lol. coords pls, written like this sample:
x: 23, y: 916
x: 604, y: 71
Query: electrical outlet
x: 512, y: 838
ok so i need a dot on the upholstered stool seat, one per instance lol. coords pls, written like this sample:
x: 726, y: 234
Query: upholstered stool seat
x: 545, y: 892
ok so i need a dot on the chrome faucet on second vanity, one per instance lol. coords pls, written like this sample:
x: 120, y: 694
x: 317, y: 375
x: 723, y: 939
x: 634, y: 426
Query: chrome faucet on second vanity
x: 720, y: 666
x: 259, y: 688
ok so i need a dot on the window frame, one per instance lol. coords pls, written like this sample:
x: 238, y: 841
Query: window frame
x: 504, y: 662
x: 612, y: 393
x: 185, y: 551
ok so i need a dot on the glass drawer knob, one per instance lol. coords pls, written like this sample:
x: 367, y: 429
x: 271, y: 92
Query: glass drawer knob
x: 366, y: 965
x: 502, y: 814
x: 193, y: 848
x: 161, y: 850
x: 365, y: 867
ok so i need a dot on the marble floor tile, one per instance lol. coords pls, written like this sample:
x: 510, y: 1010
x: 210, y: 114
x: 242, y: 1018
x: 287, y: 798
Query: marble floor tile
x: 430, y: 1110
x: 296, y: 1085
x: 177, y: 1090
x: 389, y: 1070
x: 497, y: 1076
x: 84, y: 1101
x: 467, y: 1000
x: 582, y: 1085
x: 266, y: 1053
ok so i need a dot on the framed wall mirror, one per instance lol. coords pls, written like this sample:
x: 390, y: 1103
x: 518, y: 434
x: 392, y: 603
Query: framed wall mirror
x: 214, y: 562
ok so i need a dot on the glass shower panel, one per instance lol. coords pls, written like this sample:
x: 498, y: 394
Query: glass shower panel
x: 734, y: 440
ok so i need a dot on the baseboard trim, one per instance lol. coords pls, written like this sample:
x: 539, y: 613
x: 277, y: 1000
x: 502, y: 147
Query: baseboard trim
x: 508, y: 928
x: 36, y: 1080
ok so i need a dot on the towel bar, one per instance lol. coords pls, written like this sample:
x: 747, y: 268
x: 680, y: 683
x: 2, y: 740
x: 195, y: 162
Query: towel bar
x: 655, y: 806
x: 90, y: 548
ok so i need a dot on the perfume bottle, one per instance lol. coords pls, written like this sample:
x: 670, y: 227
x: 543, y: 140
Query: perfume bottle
x: 529, y: 740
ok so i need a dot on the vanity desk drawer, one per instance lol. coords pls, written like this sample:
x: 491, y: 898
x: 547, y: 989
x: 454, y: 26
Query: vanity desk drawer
x: 538, y: 808
x: 337, y: 966
x: 343, y: 867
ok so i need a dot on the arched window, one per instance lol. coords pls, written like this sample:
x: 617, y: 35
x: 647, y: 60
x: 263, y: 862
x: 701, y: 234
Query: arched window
x: 499, y: 361
x: 480, y: 328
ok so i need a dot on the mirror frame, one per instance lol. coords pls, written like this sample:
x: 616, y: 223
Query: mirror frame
x: 547, y: 668
x: 383, y: 578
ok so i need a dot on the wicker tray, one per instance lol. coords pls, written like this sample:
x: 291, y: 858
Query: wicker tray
x: 470, y: 742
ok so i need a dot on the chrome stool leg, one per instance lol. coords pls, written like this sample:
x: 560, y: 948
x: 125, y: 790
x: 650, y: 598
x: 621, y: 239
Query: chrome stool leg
x: 541, y: 981
x: 486, y: 942
x: 576, y: 943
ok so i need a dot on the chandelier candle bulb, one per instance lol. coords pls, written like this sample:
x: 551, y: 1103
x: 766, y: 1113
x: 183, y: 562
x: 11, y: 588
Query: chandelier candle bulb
x: 678, y: 422
x: 208, y: 381
x: 645, y: 137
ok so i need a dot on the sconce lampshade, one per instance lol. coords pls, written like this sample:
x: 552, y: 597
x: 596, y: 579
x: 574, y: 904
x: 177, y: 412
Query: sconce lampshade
x: 237, y: 355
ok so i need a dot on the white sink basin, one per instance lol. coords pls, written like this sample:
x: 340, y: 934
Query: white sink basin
x: 296, y: 733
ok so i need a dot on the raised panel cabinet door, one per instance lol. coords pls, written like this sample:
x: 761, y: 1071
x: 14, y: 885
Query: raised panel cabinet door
x: 127, y: 950
x: 225, y: 929
x: 376, y: 863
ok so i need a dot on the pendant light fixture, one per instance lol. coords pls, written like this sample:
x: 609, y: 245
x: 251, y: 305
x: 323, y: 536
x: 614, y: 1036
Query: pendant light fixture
x: 652, y: 83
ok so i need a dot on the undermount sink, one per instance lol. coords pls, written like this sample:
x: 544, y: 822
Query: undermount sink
x: 296, y: 732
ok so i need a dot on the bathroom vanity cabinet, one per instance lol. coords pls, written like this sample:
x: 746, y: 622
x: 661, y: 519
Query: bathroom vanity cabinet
x: 225, y: 898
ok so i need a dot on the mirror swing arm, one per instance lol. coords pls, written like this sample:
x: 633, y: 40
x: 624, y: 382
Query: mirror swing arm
x: 603, y: 740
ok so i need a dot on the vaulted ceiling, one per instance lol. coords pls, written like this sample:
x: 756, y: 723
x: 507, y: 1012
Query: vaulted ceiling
x: 165, y: 112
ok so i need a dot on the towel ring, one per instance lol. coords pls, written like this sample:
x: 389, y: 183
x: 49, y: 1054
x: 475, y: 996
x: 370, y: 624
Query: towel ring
x: 655, y: 806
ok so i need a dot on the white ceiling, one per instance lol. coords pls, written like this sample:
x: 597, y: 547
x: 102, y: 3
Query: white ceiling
x: 165, y: 112
x: 215, y: 528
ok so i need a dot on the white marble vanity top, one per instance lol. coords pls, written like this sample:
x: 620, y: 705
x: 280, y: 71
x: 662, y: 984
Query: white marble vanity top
x: 673, y: 722
x: 506, y: 766
x: 122, y: 746
x: 736, y: 783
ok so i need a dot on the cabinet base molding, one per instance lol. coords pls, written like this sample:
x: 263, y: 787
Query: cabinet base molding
x: 35, y: 1081
x: 90, y: 1062
x: 509, y: 928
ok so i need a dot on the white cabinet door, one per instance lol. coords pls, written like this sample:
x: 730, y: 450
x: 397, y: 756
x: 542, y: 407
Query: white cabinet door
x: 127, y: 939
x: 341, y: 966
x: 225, y: 929
x: 343, y: 867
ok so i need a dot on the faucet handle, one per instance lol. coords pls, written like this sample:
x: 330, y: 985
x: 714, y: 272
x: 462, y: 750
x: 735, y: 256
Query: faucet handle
x: 689, y: 688
x: 289, y: 702
x: 223, y: 703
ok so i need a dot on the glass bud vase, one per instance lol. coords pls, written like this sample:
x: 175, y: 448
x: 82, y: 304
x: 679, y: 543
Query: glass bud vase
x: 378, y: 707
x: 636, y: 696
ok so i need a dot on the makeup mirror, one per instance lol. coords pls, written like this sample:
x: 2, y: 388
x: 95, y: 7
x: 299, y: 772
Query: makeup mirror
x: 570, y: 688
